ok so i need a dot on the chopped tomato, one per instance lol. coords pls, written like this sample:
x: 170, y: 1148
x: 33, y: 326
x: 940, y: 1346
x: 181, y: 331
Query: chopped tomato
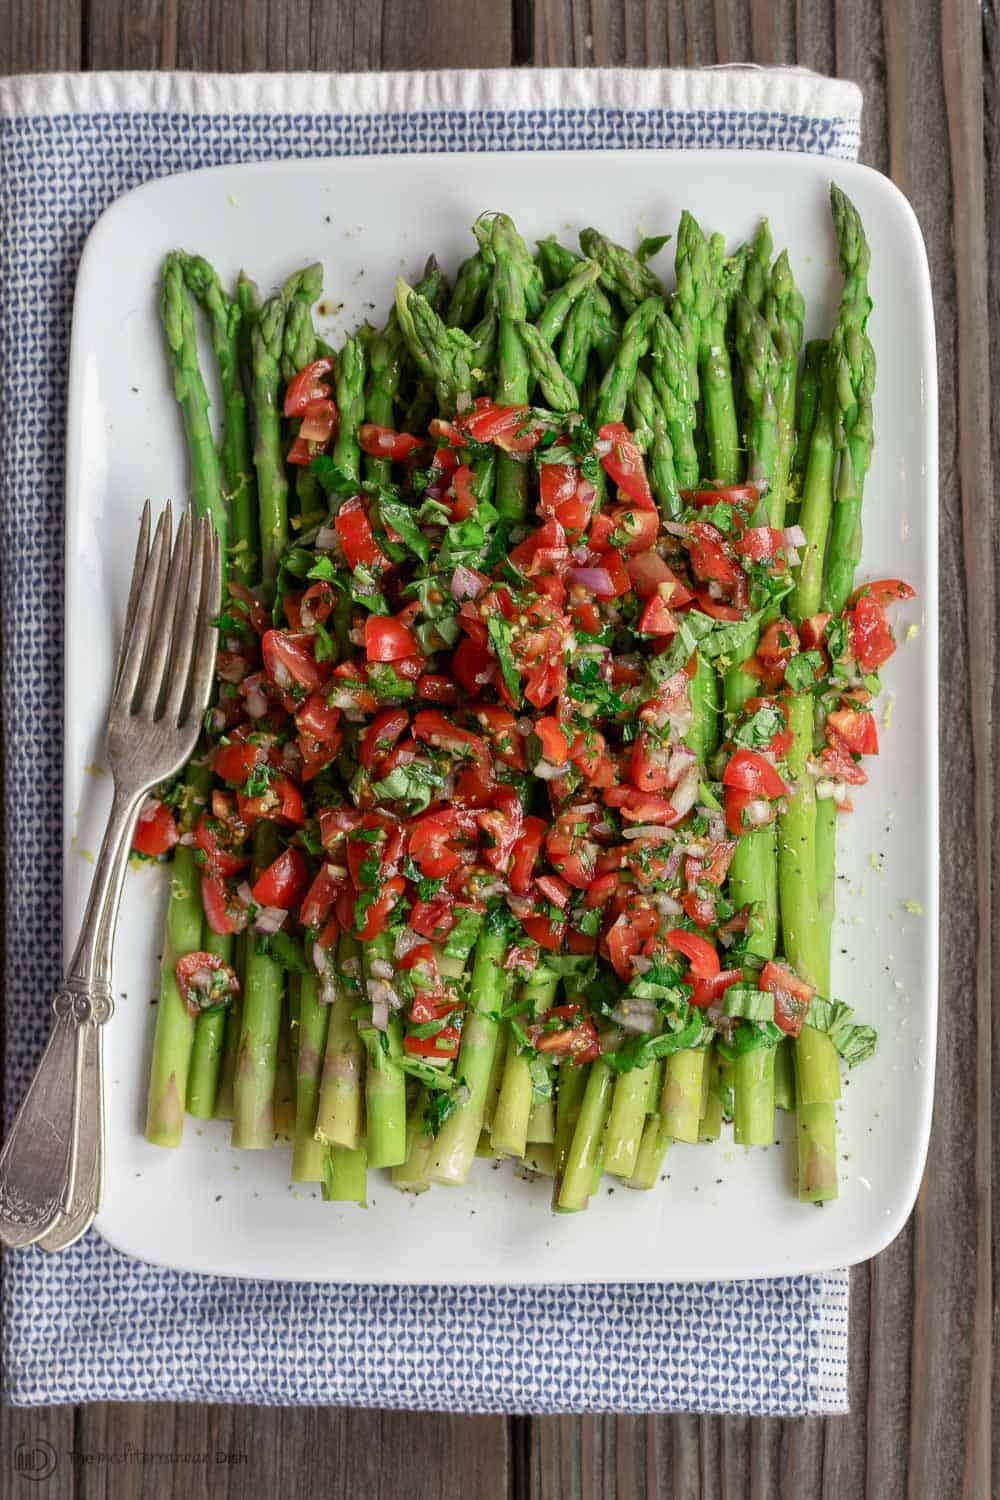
x: 883, y: 590
x: 248, y: 605
x: 737, y: 802
x: 542, y: 551
x: 812, y: 631
x: 791, y: 996
x: 545, y: 933
x: 289, y: 661
x: 627, y: 935
x: 700, y: 909
x: 223, y: 913
x: 237, y: 760
x: 635, y: 529
x: 436, y: 730
x: 434, y: 688
x: 759, y: 543
x: 284, y: 881
x: 216, y: 840
x: 624, y: 464
x: 556, y: 485
x: 384, y: 442
x: 320, y: 897
x: 554, y: 890
x: 571, y: 851
x: 510, y: 427
x: 750, y: 772
x: 156, y: 830
x: 872, y: 641
x: 707, y: 552
x: 387, y: 639
x: 564, y: 1031
x: 706, y: 992
x: 855, y: 729
x: 380, y: 736
x: 352, y: 525
x: 502, y: 826
x: 777, y: 644
x: 317, y: 720
x: 315, y: 605
x: 377, y: 834
x: 281, y: 799
x: 526, y: 852
x: 506, y: 740
x: 307, y: 386
x: 473, y: 666
x: 699, y: 952
x: 443, y: 1044
x: 839, y: 765
x: 656, y: 618
x: 715, y: 608
x: 431, y: 845
x: 601, y: 891
x: 206, y: 982
x: 376, y: 914
x: 555, y: 746
x: 464, y: 484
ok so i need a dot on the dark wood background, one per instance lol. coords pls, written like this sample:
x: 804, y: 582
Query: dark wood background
x: 922, y: 1313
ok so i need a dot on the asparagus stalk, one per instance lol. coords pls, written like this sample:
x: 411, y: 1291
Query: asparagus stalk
x: 177, y: 316
x: 209, y: 1039
x: 256, y: 1063
x: 584, y: 1155
x: 175, y: 1026
x: 670, y: 373
x: 647, y: 414
x: 471, y: 287
x: 345, y: 1177
x: 350, y: 394
x: 619, y: 377
x: 340, y: 1107
x: 224, y: 320
x: 510, y: 1122
x: 231, y: 1041
x: 308, y: 1154
x: 564, y: 298
x: 623, y: 275
x: 385, y: 1082
x: 784, y: 310
x: 456, y: 1141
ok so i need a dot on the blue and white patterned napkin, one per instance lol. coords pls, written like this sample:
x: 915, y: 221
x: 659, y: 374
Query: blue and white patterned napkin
x: 91, y: 1324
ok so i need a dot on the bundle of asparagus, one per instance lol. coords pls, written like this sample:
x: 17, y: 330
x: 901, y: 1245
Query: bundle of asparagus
x: 513, y: 828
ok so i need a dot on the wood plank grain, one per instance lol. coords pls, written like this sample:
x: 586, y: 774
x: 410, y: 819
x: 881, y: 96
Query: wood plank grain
x: 36, y: 1453
x: 954, y: 1196
x: 39, y: 38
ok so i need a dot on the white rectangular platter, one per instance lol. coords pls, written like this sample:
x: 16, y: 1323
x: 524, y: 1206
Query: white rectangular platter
x: 721, y: 1212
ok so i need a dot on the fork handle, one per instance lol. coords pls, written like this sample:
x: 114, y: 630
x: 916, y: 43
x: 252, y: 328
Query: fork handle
x: 38, y: 1161
x: 38, y: 1164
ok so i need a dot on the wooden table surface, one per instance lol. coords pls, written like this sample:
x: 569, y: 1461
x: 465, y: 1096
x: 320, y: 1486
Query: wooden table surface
x: 922, y: 1312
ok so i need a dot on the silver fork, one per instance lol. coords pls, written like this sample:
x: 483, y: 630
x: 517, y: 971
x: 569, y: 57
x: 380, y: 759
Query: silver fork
x: 51, y: 1166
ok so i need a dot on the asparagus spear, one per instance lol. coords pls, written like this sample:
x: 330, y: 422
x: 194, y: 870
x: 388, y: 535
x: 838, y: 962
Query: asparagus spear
x: 784, y: 310
x: 340, y: 1107
x: 584, y: 1154
x: 256, y: 1062
x: 442, y: 354
x: 565, y: 297
x: 175, y: 1026
x: 558, y: 390
x: 266, y: 343
x: 308, y: 1155
x: 225, y: 319
x: 620, y: 374
x: 510, y: 1122
x: 622, y: 273
x: 646, y: 413
x: 669, y: 370
x: 759, y: 366
x: 209, y: 1040
x: 456, y: 1141
x: 467, y: 298
x: 385, y: 1084
x: 178, y: 324
x: 350, y: 394
x: 231, y: 1040
x: 509, y: 257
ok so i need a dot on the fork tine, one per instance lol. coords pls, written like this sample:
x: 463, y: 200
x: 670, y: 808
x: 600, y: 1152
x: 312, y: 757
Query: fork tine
x: 138, y: 574
x: 135, y: 647
x: 185, y: 627
x: 204, y: 661
x: 156, y: 675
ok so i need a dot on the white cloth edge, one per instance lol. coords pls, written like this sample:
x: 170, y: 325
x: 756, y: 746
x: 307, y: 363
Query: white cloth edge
x: 831, y: 1394
x: 794, y: 91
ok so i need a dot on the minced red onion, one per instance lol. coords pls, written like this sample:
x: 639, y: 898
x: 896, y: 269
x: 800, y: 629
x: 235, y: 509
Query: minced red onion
x: 291, y: 758
x: 597, y: 580
x: 641, y: 964
x: 187, y: 839
x: 270, y: 919
x: 380, y: 992
x: 381, y: 968
x: 580, y: 554
x: 244, y: 892
x: 685, y: 794
x: 792, y: 556
x: 327, y: 988
x: 406, y: 939
x: 794, y: 536
x: 231, y: 667
x: 665, y: 904
x: 643, y: 831
x: 716, y: 827
x: 255, y: 703
x: 326, y: 539
x: 525, y: 726
x: 380, y: 1015
x: 757, y: 812
x: 217, y: 720
x: 635, y: 1016
x: 282, y: 676
x: 602, y: 447
x: 351, y: 966
x: 465, y: 584
x: 676, y: 528
x: 546, y: 771
x: 319, y: 958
